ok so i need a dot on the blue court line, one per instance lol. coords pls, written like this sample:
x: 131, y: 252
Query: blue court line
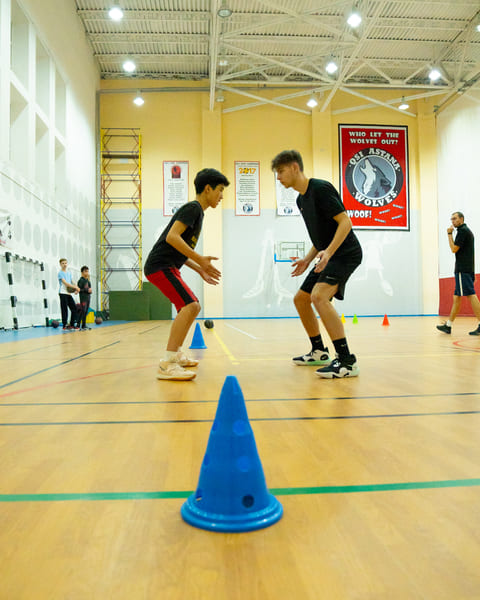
x: 269, y: 419
x: 65, y: 362
x: 295, y: 491
x: 247, y: 401
x: 40, y: 331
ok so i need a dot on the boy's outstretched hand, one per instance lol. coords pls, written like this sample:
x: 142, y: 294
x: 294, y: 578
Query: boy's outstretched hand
x: 299, y: 266
x: 208, y: 278
x: 206, y: 265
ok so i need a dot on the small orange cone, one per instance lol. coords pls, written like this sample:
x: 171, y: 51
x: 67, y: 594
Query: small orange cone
x: 385, y: 320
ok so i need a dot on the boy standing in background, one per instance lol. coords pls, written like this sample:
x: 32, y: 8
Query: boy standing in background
x: 85, y: 292
x: 66, y: 290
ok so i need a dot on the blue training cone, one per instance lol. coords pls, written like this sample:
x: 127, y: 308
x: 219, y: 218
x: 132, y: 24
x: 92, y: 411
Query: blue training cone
x: 231, y: 495
x: 197, y: 340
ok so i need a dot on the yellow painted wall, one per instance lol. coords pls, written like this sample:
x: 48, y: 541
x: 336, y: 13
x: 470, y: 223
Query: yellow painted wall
x: 179, y: 126
x: 258, y: 135
x: 171, y: 129
x: 171, y: 125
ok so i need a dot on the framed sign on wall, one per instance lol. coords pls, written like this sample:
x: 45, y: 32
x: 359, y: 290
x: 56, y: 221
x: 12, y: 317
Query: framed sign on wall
x: 374, y: 176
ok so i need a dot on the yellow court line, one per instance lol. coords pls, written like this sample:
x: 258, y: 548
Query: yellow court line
x: 233, y: 360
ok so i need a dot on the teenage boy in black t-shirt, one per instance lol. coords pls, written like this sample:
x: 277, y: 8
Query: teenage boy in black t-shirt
x: 85, y: 293
x: 173, y: 249
x: 339, y: 253
x: 463, y: 246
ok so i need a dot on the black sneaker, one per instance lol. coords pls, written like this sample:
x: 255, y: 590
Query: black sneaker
x: 475, y: 332
x: 315, y: 358
x: 340, y: 368
x: 445, y: 328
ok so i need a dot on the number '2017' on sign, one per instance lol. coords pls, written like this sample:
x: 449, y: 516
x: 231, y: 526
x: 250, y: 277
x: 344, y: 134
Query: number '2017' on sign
x: 246, y: 170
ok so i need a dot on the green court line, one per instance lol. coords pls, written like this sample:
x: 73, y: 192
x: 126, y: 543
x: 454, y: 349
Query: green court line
x: 296, y: 491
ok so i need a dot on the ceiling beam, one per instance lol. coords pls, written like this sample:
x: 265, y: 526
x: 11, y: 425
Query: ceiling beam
x: 213, y: 49
x: 262, y: 100
x: 273, y: 61
x: 375, y: 101
x: 371, y: 23
x: 277, y: 99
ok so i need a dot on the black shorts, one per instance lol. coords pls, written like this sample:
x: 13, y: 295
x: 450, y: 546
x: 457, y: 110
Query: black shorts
x: 337, y: 272
x: 464, y: 284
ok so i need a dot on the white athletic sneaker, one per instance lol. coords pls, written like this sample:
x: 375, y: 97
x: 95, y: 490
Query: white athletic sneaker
x: 315, y: 358
x: 185, y: 361
x: 173, y: 371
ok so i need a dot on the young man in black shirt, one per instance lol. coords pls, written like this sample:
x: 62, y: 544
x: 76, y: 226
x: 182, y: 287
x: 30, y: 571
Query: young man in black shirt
x: 173, y: 249
x: 339, y: 253
x: 463, y: 246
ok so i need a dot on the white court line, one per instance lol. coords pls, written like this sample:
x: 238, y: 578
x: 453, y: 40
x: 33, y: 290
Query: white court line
x: 244, y: 332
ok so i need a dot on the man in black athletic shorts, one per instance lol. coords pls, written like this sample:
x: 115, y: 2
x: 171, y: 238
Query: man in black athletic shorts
x: 174, y: 248
x: 339, y: 253
x: 463, y: 246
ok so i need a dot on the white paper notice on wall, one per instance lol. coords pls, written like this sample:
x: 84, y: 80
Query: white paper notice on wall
x: 175, y: 186
x: 5, y: 228
x: 247, y: 189
x: 286, y: 200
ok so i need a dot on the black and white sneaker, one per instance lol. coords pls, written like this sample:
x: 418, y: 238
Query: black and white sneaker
x: 315, y: 358
x: 338, y: 368
x: 475, y: 331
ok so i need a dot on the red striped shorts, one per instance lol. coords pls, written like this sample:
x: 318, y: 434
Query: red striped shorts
x: 170, y: 283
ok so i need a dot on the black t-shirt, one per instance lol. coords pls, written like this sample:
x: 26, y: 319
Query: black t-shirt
x: 163, y: 255
x: 84, y: 285
x: 318, y: 206
x: 465, y: 255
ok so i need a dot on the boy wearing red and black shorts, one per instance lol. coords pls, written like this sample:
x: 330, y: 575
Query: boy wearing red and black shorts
x: 174, y: 248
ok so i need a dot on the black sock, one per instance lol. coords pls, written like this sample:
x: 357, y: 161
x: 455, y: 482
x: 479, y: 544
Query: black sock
x: 317, y: 343
x: 341, y: 348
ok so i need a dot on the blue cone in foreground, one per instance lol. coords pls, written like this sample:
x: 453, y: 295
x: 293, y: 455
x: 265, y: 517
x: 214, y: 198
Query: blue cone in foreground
x: 232, y: 494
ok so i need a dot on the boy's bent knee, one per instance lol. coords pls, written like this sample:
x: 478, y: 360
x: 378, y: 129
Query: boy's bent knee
x: 193, y: 307
x: 321, y: 297
x: 301, y: 298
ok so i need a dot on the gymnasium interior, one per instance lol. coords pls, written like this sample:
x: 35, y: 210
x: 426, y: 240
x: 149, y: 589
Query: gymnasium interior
x: 370, y: 485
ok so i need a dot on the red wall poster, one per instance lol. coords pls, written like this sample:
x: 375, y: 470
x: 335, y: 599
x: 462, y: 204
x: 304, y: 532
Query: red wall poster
x: 374, y: 176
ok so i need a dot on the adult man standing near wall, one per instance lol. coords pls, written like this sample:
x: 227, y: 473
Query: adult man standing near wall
x: 463, y: 246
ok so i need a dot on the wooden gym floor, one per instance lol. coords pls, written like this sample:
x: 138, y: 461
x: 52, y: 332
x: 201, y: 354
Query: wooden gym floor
x: 379, y: 476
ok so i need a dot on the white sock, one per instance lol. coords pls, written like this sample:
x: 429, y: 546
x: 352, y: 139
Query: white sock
x: 449, y: 323
x: 170, y: 356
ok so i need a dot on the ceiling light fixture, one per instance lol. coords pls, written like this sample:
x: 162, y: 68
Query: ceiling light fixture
x: 434, y: 74
x: 478, y: 27
x: 115, y: 13
x: 223, y: 62
x: 220, y: 98
x: 138, y: 100
x: 354, y: 18
x: 404, y: 105
x: 224, y: 12
x: 331, y: 67
x: 129, y: 66
x: 312, y: 103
